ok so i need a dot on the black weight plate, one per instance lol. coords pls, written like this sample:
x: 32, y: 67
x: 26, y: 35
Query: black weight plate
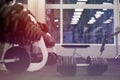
x: 18, y: 66
x: 91, y: 69
x: 59, y: 64
x: 68, y: 67
x: 104, y: 65
x: 97, y: 65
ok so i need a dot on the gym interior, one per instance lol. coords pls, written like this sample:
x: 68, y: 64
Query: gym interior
x: 86, y: 45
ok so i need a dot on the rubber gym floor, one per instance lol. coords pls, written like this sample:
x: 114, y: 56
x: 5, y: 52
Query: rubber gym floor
x: 49, y: 73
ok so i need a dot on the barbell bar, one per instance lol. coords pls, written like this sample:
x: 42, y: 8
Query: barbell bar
x: 9, y: 60
x: 82, y: 65
x: 68, y: 65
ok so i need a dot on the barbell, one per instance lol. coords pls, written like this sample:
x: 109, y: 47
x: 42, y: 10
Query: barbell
x: 16, y: 59
x: 67, y: 65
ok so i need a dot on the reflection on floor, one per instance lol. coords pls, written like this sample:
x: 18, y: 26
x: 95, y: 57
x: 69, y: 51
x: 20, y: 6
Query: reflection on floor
x: 49, y: 73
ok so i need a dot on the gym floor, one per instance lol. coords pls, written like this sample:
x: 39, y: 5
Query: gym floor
x: 49, y: 73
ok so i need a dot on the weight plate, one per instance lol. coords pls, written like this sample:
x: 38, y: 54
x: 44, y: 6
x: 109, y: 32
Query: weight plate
x: 97, y: 65
x: 66, y: 66
x: 18, y: 66
x: 58, y: 64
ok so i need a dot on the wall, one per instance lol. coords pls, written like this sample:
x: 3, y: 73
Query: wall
x: 93, y: 50
x: 37, y: 7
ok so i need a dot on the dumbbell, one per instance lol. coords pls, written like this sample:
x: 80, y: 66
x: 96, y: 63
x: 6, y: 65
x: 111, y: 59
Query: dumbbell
x: 67, y: 65
x: 16, y: 59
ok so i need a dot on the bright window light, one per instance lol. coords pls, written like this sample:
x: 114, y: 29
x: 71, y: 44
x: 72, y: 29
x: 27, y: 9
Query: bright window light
x: 107, y: 21
x: 76, y: 16
x: 56, y: 20
x: 99, y: 12
x: 92, y: 20
x: 79, y: 10
x: 74, y: 22
x: 97, y: 15
x: 111, y: 17
x: 83, y: 0
x: 106, y: 3
x: 77, y: 13
x: 104, y: 9
x: 75, y: 19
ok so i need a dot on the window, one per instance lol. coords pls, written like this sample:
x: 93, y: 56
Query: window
x: 87, y: 25
x: 88, y: 2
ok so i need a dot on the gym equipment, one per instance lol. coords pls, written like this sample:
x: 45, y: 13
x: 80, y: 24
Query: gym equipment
x: 36, y: 57
x: 38, y: 66
x: 107, y: 38
x: 52, y: 58
x: 16, y: 59
x: 67, y: 65
x: 20, y: 28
